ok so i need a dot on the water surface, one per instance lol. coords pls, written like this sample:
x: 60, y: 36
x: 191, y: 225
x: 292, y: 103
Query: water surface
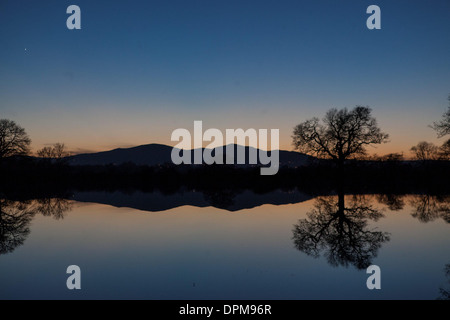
x: 307, y: 248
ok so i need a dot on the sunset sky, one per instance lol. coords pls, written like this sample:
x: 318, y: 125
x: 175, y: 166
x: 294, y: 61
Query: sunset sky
x: 137, y: 70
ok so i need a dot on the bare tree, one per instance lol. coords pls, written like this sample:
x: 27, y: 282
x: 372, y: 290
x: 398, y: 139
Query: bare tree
x: 57, y: 151
x: 13, y: 139
x: 393, y: 157
x: 443, y: 127
x: 425, y: 151
x: 45, y: 152
x: 444, y: 150
x: 342, y: 135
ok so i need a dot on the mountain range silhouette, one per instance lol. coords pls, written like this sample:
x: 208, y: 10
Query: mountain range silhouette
x: 159, y: 154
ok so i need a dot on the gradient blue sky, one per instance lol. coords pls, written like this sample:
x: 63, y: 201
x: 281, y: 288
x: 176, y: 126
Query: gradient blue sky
x: 137, y: 70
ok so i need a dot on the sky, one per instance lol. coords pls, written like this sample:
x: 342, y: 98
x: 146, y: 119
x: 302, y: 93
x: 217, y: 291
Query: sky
x: 137, y: 70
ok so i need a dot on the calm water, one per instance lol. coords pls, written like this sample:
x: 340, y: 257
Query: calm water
x: 303, y: 249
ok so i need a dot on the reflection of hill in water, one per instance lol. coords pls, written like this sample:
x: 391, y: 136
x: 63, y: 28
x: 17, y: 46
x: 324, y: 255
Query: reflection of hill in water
x: 16, y: 214
x: 224, y: 199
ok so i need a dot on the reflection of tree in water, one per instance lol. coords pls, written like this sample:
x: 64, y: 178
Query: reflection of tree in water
x: 341, y: 233
x: 426, y: 207
x: 16, y: 216
x: 55, y: 207
x: 445, y: 291
x: 393, y: 201
x: 431, y: 207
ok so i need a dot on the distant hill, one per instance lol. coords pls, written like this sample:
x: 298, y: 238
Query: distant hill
x: 158, y: 154
x: 149, y: 154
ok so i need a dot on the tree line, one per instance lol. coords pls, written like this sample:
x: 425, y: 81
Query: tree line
x: 345, y: 134
x: 341, y: 135
x: 14, y: 141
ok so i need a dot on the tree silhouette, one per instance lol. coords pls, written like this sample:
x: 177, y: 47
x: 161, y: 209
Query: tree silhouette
x: 45, y: 152
x: 341, y: 233
x: 57, y: 151
x: 343, y: 134
x: 442, y: 127
x: 425, y: 151
x: 392, y: 157
x: 444, y: 150
x: 13, y: 139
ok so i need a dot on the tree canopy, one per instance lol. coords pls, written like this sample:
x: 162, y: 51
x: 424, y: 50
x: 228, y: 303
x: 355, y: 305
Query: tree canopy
x: 57, y: 151
x: 442, y: 127
x: 341, y: 135
x: 13, y: 139
x: 425, y: 151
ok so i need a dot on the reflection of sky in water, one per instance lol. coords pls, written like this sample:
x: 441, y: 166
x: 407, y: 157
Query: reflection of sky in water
x: 208, y: 253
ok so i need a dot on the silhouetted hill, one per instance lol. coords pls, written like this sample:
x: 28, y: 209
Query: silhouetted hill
x: 149, y: 154
x: 158, y: 154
